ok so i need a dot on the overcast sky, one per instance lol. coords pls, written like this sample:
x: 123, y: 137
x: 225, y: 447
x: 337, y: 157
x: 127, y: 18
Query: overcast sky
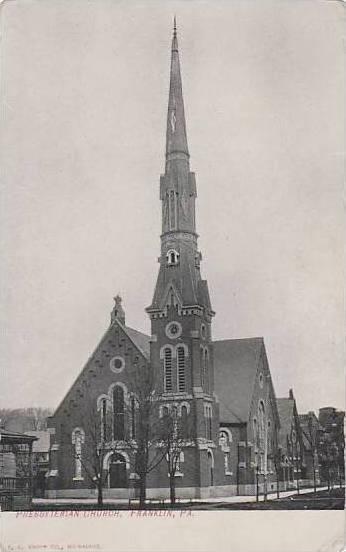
x: 84, y: 97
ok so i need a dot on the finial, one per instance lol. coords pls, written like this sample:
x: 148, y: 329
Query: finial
x: 118, y: 312
x: 175, y: 27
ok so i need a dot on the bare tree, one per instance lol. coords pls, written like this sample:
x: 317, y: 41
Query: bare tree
x: 173, y: 438
x: 145, y: 443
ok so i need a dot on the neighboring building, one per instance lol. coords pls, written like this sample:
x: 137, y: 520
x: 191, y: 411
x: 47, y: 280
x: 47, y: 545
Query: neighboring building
x: 40, y: 461
x: 248, y: 414
x: 293, y: 468
x: 15, y: 470
x: 331, y: 445
x: 311, y: 428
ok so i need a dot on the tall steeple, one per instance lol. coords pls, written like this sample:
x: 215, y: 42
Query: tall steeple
x: 176, y: 141
x: 180, y: 258
x: 181, y: 314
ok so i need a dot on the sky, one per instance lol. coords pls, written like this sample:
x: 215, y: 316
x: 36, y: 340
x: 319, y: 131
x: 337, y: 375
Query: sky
x: 84, y: 91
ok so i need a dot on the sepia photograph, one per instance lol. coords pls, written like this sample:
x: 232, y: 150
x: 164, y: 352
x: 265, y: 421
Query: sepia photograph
x: 172, y: 299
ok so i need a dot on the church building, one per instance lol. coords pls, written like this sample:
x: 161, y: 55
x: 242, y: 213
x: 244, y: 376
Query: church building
x: 220, y: 392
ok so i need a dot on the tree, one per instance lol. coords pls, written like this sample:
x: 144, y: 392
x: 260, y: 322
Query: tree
x: 145, y: 443
x: 91, y: 444
x: 173, y: 436
x: 276, y: 456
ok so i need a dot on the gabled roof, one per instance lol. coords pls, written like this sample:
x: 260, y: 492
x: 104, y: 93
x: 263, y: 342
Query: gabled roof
x: 139, y: 339
x: 235, y: 368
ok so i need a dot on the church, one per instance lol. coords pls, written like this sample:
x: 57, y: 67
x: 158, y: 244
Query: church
x: 220, y: 392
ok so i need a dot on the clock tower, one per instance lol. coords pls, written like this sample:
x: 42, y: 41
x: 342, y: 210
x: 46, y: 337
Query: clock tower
x: 181, y: 313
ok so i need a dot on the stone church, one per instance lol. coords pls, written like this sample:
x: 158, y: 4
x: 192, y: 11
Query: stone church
x: 220, y: 390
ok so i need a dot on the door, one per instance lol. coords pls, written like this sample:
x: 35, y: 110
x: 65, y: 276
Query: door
x: 117, y: 472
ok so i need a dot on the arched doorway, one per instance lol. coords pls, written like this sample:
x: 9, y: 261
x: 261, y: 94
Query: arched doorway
x: 210, y: 468
x: 117, y: 471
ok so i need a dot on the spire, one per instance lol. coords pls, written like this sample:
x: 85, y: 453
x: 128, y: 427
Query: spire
x: 176, y: 140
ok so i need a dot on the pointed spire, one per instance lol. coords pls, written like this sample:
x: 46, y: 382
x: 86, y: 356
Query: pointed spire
x: 176, y: 140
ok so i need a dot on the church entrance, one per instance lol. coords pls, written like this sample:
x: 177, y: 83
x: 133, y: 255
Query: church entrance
x: 117, y: 472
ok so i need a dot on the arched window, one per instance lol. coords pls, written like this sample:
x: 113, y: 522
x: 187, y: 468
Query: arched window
x: 225, y: 439
x: 119, y: 413
x: 261, y: 423
x: 206, y: 371
x: 133, y: 418
x: 172, y: 257
x: 181, y: 369
x: 78, y: 437
x: 168, y: 380
x: 208, y: 422
x: 104, y: 432
x: 184, y: 422
x: 202, y: 367
x: 254, y: 424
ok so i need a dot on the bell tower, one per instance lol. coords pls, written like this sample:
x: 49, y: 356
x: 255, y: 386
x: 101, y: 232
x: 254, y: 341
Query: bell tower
x: 181, y: 312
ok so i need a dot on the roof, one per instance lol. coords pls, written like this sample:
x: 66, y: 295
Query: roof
x: 10, y: 437
x: 235, y: 369
x: 43, y: 440
x: 141, y: 340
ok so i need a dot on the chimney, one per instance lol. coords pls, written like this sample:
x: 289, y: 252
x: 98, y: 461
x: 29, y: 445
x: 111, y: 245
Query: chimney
x: 290, y: 394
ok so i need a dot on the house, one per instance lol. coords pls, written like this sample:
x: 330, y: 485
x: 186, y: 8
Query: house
x: 15, y: 470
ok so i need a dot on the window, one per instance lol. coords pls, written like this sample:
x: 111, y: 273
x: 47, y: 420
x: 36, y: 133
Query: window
x: 208, y: 422
x: 226, y: 464
x: 117, y: 364
x: 104, y: 432
x: 133, y: 418
x: 179, y: 461
x: 255, y: 432
x: 119, y: 413
x: 172, y: 210
x: 225, y: 438
x: 261, y: 423
x: 261, y: 380
x: 168, y: 381
x: 202, y: 368
x: 172, y: 257
x: 206, y: 370
x: 181, y: 369
x: 184, y: 422
x: 78, y: 437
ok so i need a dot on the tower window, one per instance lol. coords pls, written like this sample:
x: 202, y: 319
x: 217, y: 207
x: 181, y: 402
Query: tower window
x: 202, y: 368
x: 119, y: 413
x: 172, y: 257
x: 168, y: 381
x: 181, y: 369
x: 184, y: 422
x: 206, y: 371
x: 208, y: 421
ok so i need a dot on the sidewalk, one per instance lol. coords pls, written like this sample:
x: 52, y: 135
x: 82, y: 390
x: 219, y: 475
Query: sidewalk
x: 229, y: 499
